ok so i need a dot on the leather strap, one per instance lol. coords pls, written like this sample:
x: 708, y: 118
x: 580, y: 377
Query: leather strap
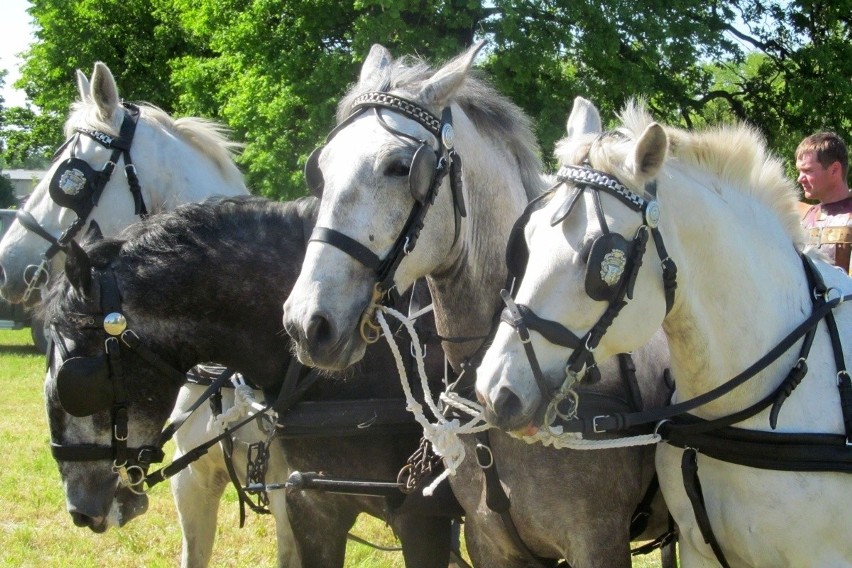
x: 692, y: 485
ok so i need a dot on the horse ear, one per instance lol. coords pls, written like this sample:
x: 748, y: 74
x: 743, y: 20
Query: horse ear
x: 83, y: 86
x: 78, y: 267
x: 650, y: 151
x: 584, y: 118
x: 104, y: 91
x: 93, y: 233
x: 375, y: 67
x: 441, y: 86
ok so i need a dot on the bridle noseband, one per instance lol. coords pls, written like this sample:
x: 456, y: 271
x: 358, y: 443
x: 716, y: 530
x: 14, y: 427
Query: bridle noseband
x: 612, y: 268
x: 77, y: 186
x: 426, y: 173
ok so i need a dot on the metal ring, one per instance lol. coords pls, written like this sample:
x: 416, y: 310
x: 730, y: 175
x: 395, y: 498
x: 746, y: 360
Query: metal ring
x: 658, y: 425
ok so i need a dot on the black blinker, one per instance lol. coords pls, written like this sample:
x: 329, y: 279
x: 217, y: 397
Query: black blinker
x: 422, y: 171
x: 606, y: 265
x: 84, y: 386
x: 313, y: 173
x: 73, y: 186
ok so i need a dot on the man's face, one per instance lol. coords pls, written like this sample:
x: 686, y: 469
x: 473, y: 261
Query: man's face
x: 814, y: 179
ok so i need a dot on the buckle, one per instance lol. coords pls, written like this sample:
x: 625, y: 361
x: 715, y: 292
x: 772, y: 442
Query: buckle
x: 595, y: 428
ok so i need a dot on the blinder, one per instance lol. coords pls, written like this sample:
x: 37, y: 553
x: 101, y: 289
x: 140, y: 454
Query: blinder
x: 84, y: 386
x: 73, y: 186
x: 606, y: 266
x: 424, y: 165
x: 313, y: 173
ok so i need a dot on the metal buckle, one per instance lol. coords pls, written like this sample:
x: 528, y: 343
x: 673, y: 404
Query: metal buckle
x: 595, y: 428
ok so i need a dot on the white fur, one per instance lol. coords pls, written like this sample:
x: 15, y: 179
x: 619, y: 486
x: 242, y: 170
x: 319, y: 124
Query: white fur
x: 729, y: 223
x: 177, y: 161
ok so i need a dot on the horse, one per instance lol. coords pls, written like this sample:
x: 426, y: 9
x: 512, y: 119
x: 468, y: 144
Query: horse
x: 238, y: 258
x: 173, y: 161
x: 396, y: 206
x: 748, y: 315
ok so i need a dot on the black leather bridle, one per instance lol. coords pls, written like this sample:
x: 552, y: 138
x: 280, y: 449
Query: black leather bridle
x: 428, y: 168
x: 612, y: 269
x: 77, y: 186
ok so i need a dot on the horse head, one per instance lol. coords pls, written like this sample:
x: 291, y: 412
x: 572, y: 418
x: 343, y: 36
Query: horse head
x: 576, y: 254
x: 105, y: 407
x: 396, y: 203
x: 120, y: 161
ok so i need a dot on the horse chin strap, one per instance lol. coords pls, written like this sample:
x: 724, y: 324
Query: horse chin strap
x: 446, y: 161
x: 582, y: 359
x: 75, y: 185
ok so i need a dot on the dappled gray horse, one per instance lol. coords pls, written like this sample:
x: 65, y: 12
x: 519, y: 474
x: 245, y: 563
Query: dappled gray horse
x: 159, y: 163
x: 397, y: 206
x: 206, y: 282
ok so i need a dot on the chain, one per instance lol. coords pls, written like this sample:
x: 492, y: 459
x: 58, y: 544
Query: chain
x: 419, y: 466
x: 258, y: 465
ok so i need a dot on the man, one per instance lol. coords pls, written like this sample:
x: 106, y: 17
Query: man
x: 822, y: 161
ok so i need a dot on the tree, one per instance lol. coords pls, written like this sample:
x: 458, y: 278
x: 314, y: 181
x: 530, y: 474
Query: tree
x: 274, y: 69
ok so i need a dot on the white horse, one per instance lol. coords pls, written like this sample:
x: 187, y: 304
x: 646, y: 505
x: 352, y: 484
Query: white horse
x: 728, y: 221
x: 381, y: 175
x: 177, y: 161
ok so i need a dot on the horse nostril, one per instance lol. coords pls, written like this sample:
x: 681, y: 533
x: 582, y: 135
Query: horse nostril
x: 320, y: 330
x: 82, y: 519
x: 507, y: 404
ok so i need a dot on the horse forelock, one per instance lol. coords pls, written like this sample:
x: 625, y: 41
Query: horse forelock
x: 736, y: 153
x: 495, y: 116
x: 210, y: 138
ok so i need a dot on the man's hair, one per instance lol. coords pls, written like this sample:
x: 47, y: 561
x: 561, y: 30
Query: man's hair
x: 828, y: 148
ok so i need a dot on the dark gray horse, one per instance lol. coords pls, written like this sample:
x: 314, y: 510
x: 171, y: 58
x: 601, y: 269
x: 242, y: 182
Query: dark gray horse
x: 204, y: 283
x: 380, y: 186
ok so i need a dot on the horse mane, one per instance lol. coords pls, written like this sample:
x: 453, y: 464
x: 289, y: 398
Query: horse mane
x: 493, y: 114
x: 207, y: 136
x: 230, y: 222
x: 737, y: 153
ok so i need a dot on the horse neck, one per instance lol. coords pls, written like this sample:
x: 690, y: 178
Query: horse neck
x: 741, y: 288
x: 177, y: 172
x: 466, y: 292
x: 205, y: 311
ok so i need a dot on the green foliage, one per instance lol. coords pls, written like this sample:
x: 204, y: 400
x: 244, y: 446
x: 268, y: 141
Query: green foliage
x: 7, y: 192
x: 274, y: 69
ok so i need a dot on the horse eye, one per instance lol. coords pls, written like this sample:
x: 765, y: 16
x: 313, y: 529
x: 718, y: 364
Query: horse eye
x: 398, y: 168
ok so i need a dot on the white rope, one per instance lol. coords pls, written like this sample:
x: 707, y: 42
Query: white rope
x: 245, y: 405
x: 555, y: 438
x: 443, y: 434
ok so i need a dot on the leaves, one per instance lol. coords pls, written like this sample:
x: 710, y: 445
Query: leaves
x: 274, y: 69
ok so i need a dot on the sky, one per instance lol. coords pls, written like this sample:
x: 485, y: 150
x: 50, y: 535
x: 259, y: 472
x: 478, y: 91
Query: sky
x: 15, y: 36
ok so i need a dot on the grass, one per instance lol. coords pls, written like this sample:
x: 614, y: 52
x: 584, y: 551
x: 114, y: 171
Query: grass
x: 36, y: 530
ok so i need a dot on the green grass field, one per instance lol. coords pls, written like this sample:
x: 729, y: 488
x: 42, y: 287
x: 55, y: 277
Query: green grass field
x: 36, y: 530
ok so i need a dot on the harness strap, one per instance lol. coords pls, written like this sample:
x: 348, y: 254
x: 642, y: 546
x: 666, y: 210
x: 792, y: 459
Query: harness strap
x: 348, y: 245
x: 616, y: 422
x: 212, y: 389
x: 498, y: 501
x: 692, y: 485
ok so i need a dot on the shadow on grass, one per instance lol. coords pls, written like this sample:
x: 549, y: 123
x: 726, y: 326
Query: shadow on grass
x: 18, y: 350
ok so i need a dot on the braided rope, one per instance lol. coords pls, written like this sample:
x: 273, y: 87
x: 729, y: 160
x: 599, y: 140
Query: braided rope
x: 443, y: 434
